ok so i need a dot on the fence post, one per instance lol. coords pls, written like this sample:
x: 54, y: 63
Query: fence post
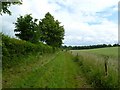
x: 77, y: 54
x: 106, y: 65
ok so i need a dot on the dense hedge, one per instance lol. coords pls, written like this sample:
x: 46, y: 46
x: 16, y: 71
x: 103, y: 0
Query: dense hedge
x: 13, y: 48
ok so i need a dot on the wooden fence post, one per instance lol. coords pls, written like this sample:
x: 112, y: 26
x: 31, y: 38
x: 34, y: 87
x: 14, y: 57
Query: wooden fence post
x: 106, y: 65
x: 77, y: 54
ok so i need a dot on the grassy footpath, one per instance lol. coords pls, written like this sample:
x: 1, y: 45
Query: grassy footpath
x: 52, y: 71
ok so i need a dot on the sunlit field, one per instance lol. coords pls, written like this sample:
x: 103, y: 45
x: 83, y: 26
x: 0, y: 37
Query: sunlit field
x: 93, y: 62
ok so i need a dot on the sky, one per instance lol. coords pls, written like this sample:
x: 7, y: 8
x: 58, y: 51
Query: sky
x: 86, y: 22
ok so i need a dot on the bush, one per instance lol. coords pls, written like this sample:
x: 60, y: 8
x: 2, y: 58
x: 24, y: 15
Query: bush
x: 13, y: 49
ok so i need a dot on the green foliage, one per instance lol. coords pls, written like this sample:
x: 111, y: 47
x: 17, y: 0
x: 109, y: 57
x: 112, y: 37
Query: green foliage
x: 51, y: 31
x: 89, y: 47
x: 27, y: 28
x: 4, y: 6
x: 47, y: 71
x: 92, y: 66
x: 12, y: 49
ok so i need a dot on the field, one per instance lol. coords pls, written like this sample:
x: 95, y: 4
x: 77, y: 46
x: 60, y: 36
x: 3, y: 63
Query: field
x: 111, y: 52
x: 64, y: 69
x: 99, y: 65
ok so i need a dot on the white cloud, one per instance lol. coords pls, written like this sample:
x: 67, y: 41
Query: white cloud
x: 75, y: 15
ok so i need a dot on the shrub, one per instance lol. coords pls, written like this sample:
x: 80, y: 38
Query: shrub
x: 13, y: 48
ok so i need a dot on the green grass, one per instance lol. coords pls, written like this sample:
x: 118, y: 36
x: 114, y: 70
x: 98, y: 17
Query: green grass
x: 13, y: 74
x: 0, y: 78
x: 64, y: 70
x: 48, y: 71
x: 93, y: 66
x: 110, y: 51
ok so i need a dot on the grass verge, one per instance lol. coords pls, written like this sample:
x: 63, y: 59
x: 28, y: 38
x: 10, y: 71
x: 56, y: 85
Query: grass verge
x: 93, y: 68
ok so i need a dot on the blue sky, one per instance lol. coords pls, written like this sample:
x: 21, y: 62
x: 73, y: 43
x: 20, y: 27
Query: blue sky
x: 86, y: 22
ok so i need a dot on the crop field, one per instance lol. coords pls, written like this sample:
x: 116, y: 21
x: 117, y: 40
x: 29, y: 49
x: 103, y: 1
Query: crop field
x: 99, y: 65
x: 112, y: 52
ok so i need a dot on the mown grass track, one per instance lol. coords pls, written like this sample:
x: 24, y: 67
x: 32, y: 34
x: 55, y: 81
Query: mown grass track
x: 60, y: 71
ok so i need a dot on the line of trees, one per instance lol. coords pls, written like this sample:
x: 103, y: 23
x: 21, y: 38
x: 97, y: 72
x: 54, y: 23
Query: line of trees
x: 48, y: 30
x: 36, y: 37
x: 89, y: 47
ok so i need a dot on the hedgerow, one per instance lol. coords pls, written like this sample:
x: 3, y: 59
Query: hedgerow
x: 13, y: 49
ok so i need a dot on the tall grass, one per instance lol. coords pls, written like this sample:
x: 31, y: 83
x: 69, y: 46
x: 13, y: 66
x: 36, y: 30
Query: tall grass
x: 93, y: 68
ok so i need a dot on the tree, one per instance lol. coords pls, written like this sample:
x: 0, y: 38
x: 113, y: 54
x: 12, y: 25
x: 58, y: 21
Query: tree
x: 51, y: 30
x: 27, y: 28
x: 116, y: 45
x: 4, y: 5
x: 109, y: 45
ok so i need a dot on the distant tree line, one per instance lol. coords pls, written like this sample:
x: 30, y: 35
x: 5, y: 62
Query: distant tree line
x: 89, y: 47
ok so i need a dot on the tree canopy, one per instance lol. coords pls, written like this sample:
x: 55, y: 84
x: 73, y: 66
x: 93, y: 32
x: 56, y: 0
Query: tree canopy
x: 48, y: 30
x: 51, y: 30
x: 27, y: 28
x: 4, y: 6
